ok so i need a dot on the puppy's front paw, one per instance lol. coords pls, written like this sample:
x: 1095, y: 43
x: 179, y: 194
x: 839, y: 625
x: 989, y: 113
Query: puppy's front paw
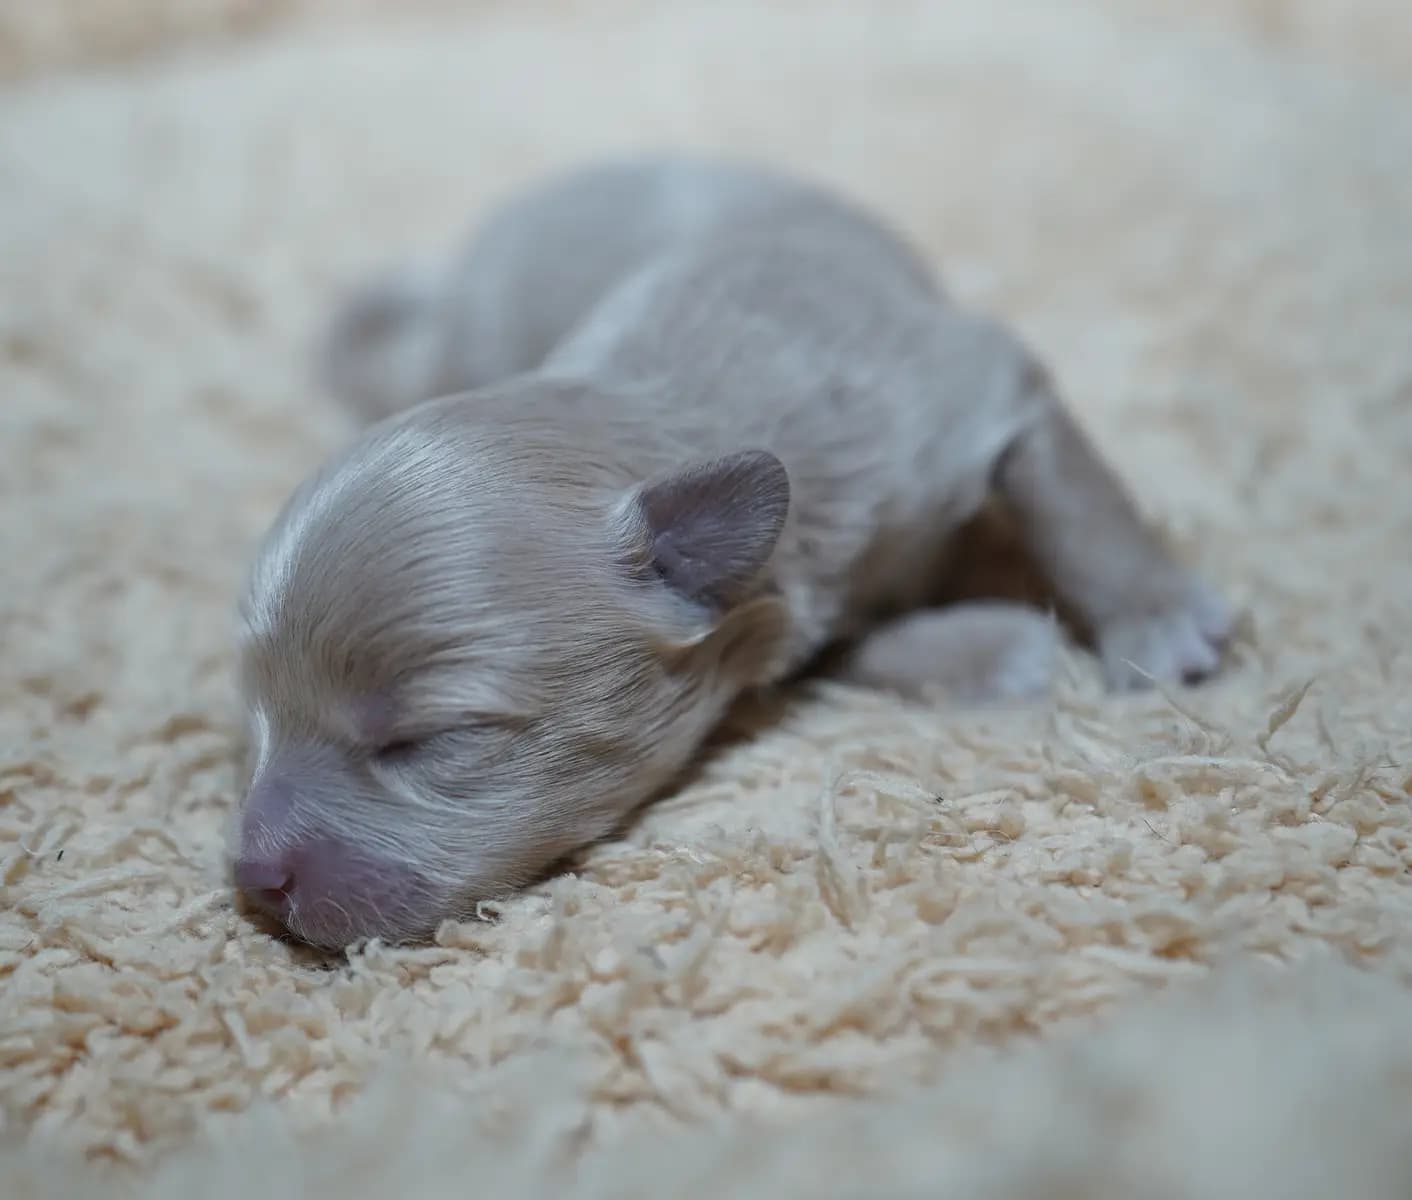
x: 1177, y: 636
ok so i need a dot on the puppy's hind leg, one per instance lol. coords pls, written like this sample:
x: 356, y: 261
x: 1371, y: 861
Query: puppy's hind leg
x: 973, y: 652
x: 1150, y: 616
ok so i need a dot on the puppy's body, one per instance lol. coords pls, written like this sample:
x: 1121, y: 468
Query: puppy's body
x: 542, y: 262
x: 721, y: 421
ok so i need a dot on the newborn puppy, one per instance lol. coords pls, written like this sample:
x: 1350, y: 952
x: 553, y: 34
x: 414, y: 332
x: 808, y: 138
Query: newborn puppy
x: 720, y: 421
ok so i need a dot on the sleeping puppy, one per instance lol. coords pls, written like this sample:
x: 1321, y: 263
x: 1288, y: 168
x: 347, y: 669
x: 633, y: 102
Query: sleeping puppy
x: 693, y: 423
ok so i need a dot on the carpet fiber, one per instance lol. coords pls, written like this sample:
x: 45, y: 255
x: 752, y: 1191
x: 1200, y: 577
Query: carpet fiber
x: 1106, y: 947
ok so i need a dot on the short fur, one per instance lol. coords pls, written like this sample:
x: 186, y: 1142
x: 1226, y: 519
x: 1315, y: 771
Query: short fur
x: 701, y: 422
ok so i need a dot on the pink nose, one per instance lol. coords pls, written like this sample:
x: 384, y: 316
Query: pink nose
x: 264, y: 875
x: 267, y: 882
x: 255, y: 875
x: 328, y: 894
x: 324, y: 889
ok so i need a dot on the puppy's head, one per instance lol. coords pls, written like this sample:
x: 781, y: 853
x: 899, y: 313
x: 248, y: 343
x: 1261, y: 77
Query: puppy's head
x: 468, y: 648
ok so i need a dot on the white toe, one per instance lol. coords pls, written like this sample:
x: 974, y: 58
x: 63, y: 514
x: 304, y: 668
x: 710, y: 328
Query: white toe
x: 1181, y: 642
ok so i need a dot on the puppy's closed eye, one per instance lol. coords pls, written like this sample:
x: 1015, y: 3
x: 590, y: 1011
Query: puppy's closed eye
x: 398, y: 749
x: 408, y: 747
x: 411, y: 749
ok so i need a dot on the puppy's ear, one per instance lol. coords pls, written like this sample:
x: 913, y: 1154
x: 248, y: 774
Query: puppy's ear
x: 707, y: 532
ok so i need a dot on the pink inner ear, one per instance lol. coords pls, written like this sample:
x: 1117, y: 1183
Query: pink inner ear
x: 714, y: 525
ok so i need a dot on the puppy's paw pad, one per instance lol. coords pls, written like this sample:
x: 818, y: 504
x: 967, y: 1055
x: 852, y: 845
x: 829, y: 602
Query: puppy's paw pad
x: 1178, y: 640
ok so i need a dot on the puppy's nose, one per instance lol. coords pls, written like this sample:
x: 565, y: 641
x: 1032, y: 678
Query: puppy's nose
x: 267, y: 883
x: 263, y: 875
x: 330, y: 893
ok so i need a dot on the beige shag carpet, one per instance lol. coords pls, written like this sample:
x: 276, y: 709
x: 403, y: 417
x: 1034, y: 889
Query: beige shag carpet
x: 1154, y: 946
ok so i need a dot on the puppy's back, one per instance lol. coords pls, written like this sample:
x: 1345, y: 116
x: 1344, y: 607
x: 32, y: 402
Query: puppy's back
x: 542, y: 261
